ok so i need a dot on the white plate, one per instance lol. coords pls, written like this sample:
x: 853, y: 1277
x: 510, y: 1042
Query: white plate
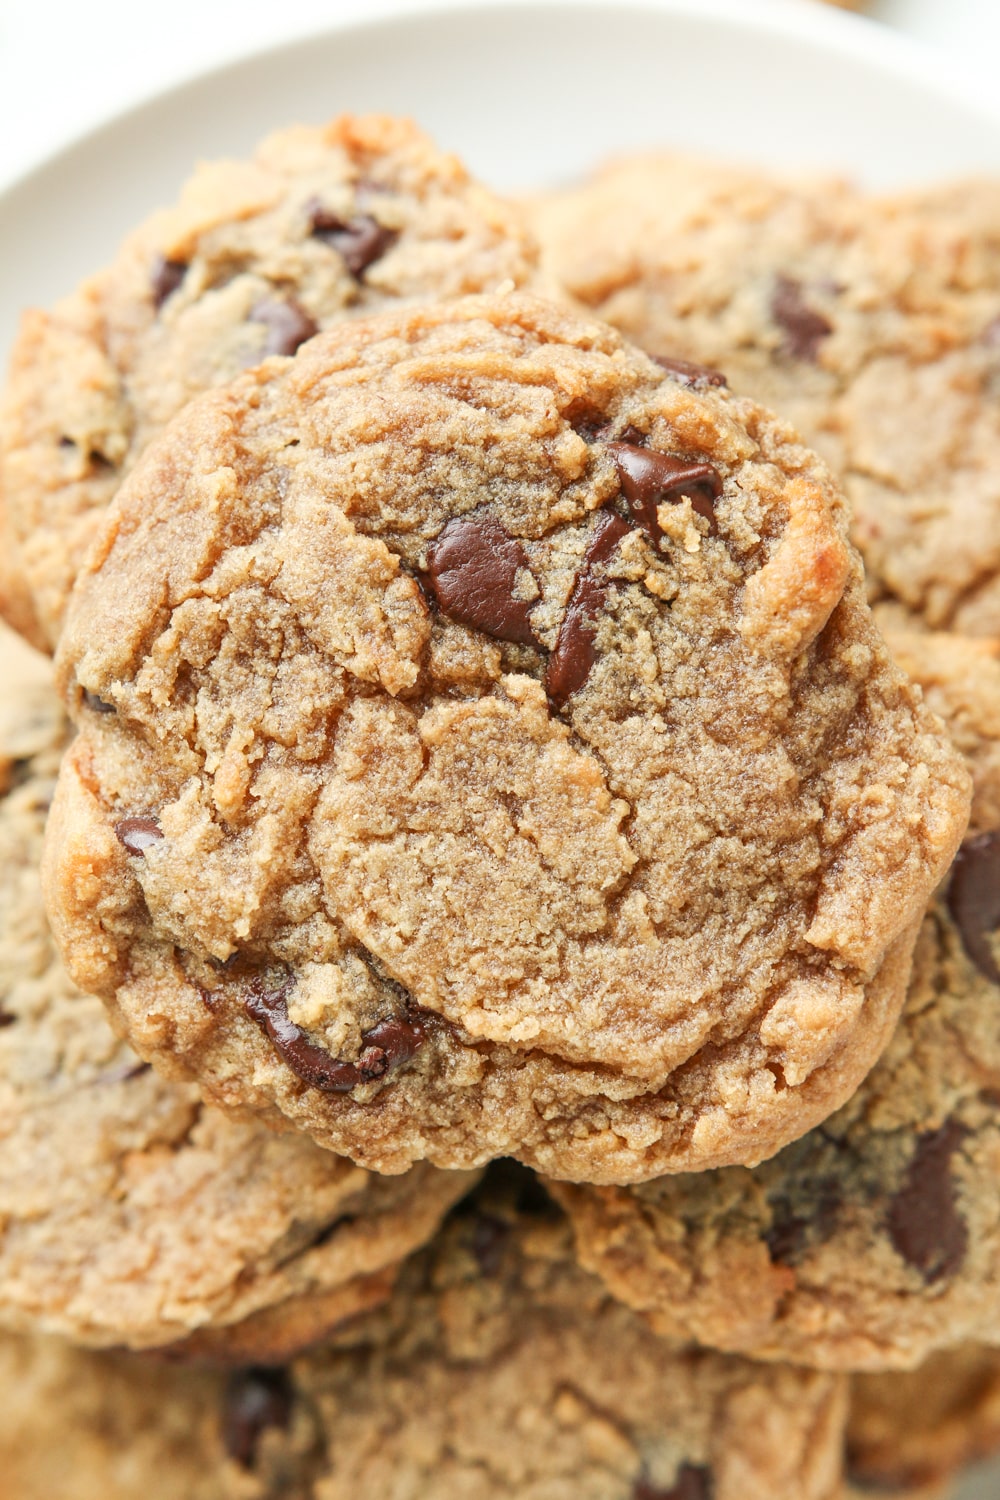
x: 529, y: 94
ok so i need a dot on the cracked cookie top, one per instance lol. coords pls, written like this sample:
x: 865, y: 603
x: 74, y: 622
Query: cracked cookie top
x: 485, y: 748
x: 131, y: 1213
x: 321, y: 224
x: 873, y: 1241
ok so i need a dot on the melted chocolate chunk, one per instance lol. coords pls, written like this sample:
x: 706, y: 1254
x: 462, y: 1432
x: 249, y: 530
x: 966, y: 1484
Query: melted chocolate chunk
x: 974, y: 899
x: 137, y: 834
x: 650, y: 479
x: 791, y: 1233
x: 690, y: 374
x: 571, y: 662
x: 805, y: 328
x: 361, y: 240
x: 255, y: 1399
x: 384, y: 1047
x: 489, y: 1241
x: 472, y: 569
x: 288, y: 325
x: 693, y: 1482
x: 6, y: 1019
x: 97, y: 705
x: 165, y: 277
x: 924, y: 1223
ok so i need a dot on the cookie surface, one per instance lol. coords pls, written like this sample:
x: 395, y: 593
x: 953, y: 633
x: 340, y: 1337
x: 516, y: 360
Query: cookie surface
x: 498, y: 1370
x: 130, y: 1213
x: 319, y: 225
x: 873, y: 1240
x: 872, y: 324
x: 485, y: 749
x: 916, y: 1429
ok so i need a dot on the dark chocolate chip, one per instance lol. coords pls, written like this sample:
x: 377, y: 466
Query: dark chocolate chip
x: 791, y: 1233
x: 255, y: 1399
x: 924, y: 1223
x: 571, y: 662
x: 384, y: 1047
x: 650, y: 479
x: 361, y: 240
x: 473, y: 568
x: 693, y: 1482
x: 690, y: 374
x: 97, y: 705
x: 974, y: 899
x: 137, y: 834
x: 805, y: 328
x: 489, y: 1241
x: 288, y: 325
x: 6, y: 1019
x: 165, y: 277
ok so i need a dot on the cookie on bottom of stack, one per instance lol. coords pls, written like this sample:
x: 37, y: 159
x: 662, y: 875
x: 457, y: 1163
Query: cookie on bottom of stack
x: 873, y: 1240
x: 916, y: 1430
x: 131, y: 1213
x: 498, y: 1369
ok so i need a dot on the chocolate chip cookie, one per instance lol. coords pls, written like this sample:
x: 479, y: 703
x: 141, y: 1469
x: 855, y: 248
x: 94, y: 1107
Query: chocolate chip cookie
x: 872, y: 324
x: 874, y: 1240
x: 485, y: 748
x: 498, y: 1370
x: 916, y: 1429
x: 131, y: 1213
x: 321, y: 224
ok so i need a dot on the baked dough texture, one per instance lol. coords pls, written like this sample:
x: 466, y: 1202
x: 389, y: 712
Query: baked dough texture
x: 485, y: 748
x: 319, y: 225
x: 873, y: 1241
x: 131, y: 1213
x: 872, y: 324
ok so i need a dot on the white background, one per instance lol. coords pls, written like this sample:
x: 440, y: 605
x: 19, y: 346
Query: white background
x: 66, y: 65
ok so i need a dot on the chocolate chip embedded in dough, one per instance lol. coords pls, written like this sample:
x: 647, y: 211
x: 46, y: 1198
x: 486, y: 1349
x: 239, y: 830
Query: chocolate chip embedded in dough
x: 571, y: 662
x: 925, y: 1225
x: 165, y: 277
x: 137, y: 834
x: 288, y: 325
x: 389, y: 1043
x: 6, y: 1019
x: 805, y: 328
x: 95, y: 704
x: 693, y: 1482
x: 792, y: 1232
x: 490, y: 1237
x: 974, y: 899
x: 473, y: 568
x: 697, y: 377
x: 361, y: 240
x: 255, y: 1399
x: 650, y: 479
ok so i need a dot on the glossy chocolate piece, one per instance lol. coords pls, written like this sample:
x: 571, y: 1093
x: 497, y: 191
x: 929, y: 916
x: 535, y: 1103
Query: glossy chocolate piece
x: 384, y: 1047
x: 288, y: 325
x: 137, y: 834
x: 472, y: 571
x: 974, y: 899
x: 650, y: 479
x: 571, y: 662
x: 924, y: 1223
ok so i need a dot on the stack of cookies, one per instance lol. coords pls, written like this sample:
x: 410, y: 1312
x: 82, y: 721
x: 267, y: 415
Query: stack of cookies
x: 498, y: 994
